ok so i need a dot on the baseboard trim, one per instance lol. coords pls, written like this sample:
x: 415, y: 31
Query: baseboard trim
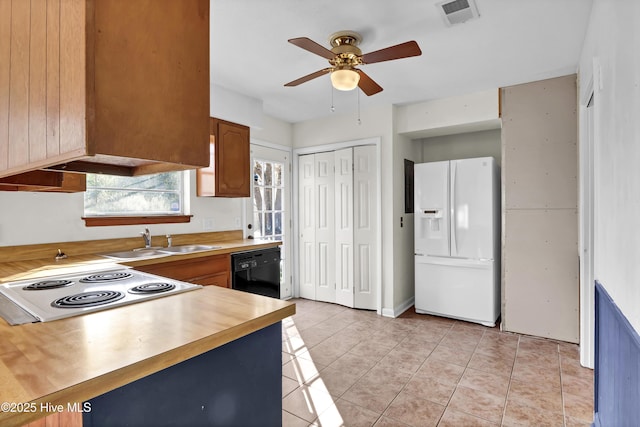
x: 399, y: 309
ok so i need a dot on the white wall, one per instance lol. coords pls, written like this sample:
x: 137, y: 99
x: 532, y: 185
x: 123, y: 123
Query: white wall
x: 235, y: 107
x: 486, y: 143
x: 31, y: 218
x: 611, y: 50
x: 457, y: 114
x: 274, y: 131
x: 403, y: 234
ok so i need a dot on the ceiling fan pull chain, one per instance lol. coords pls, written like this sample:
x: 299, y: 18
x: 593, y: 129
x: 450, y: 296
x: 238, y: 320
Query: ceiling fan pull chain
x: 333, y: 109
x: 359, y: 121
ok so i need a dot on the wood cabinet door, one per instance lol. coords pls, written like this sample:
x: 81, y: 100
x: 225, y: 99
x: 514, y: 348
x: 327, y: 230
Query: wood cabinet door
x: 232, y: 160
x: 228, y: 174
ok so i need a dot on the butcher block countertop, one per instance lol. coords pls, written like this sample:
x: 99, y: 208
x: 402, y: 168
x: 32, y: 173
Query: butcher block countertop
x: 33, y: 261
x: 75, y: 359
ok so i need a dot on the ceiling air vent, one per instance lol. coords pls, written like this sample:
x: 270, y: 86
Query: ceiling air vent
x: 457, y: 11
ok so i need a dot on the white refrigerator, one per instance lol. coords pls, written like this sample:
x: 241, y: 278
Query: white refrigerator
x: 457, y: 239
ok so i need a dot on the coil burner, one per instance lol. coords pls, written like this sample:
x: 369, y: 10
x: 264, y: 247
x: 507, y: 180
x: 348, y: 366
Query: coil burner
x: 88, y: 299
x: 106, y: 277
x: 48, y: 284
x: 152, y: 288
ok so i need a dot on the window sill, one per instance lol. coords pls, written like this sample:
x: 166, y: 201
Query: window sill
x: 100, y: 221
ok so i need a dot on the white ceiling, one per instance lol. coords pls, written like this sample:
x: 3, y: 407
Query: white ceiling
x: 513, y: 41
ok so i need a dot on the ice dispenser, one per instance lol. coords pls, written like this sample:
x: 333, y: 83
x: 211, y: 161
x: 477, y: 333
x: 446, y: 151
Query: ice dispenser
x: 433, y: 218
x: 432, y: 232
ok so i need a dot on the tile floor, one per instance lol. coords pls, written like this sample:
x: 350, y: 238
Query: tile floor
x: 344, y: 367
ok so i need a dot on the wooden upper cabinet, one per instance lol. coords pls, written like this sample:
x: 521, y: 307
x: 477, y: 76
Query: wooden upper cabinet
x: 229, y: 173
x: 113, y: 86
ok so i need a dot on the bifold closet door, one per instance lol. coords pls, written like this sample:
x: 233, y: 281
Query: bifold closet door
x: 344, y: 226
x: 317, y: 230
x: 307, y: 226
x: 338, y: 226
x: 365, y: 226
x: 325, y: 227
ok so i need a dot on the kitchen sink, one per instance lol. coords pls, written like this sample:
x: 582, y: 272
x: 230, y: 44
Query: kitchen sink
x: 149, y: 253
x: 187, y: 249
x: 136, y: 254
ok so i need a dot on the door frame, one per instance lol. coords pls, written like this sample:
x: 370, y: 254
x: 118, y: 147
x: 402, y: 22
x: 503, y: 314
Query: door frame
x: 587, y: 185
x: 297, y: 152
x: 247, y: 208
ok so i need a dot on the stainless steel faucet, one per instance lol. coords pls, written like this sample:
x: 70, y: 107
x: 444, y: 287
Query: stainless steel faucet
x: 146, y: 235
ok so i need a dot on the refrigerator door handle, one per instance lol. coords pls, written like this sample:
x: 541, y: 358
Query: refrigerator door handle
x: 452, y: 218
x: 457, y: 262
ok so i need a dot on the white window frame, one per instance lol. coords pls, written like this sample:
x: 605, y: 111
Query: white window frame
x: 181, y: 192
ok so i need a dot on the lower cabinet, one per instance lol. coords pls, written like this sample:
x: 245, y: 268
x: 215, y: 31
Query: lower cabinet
x: 210, y: 270
x: 236, y: 384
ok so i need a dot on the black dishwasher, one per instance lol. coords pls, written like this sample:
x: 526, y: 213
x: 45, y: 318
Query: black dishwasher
x: 257, y: 272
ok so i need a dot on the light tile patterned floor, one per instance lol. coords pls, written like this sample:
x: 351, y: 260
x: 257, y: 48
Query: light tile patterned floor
x: 344, y: 367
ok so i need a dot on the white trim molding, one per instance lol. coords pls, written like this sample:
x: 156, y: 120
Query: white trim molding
x: 399, y: 309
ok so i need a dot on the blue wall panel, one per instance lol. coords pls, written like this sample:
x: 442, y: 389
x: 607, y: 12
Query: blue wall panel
x: 617, y: 369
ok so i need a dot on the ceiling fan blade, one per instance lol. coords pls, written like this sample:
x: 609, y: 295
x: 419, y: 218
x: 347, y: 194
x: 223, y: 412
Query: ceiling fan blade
x: 366, y: 83
x: 313, y: 47
x: 308, y: 77
x: 402, y: 50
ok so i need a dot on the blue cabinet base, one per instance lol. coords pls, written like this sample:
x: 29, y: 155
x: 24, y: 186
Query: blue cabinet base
x: 238, y: 384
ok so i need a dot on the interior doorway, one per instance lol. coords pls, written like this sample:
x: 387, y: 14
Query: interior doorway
x: 269, y: 214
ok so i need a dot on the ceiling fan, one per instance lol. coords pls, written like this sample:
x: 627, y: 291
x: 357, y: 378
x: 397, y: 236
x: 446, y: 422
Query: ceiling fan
x: 345, y: 56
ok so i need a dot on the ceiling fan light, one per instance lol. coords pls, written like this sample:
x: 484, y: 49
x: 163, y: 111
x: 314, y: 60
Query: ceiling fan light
x: 345, y: 79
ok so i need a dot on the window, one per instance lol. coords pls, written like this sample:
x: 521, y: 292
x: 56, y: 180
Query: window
x: 157, y: 194
x: 268, y: 189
